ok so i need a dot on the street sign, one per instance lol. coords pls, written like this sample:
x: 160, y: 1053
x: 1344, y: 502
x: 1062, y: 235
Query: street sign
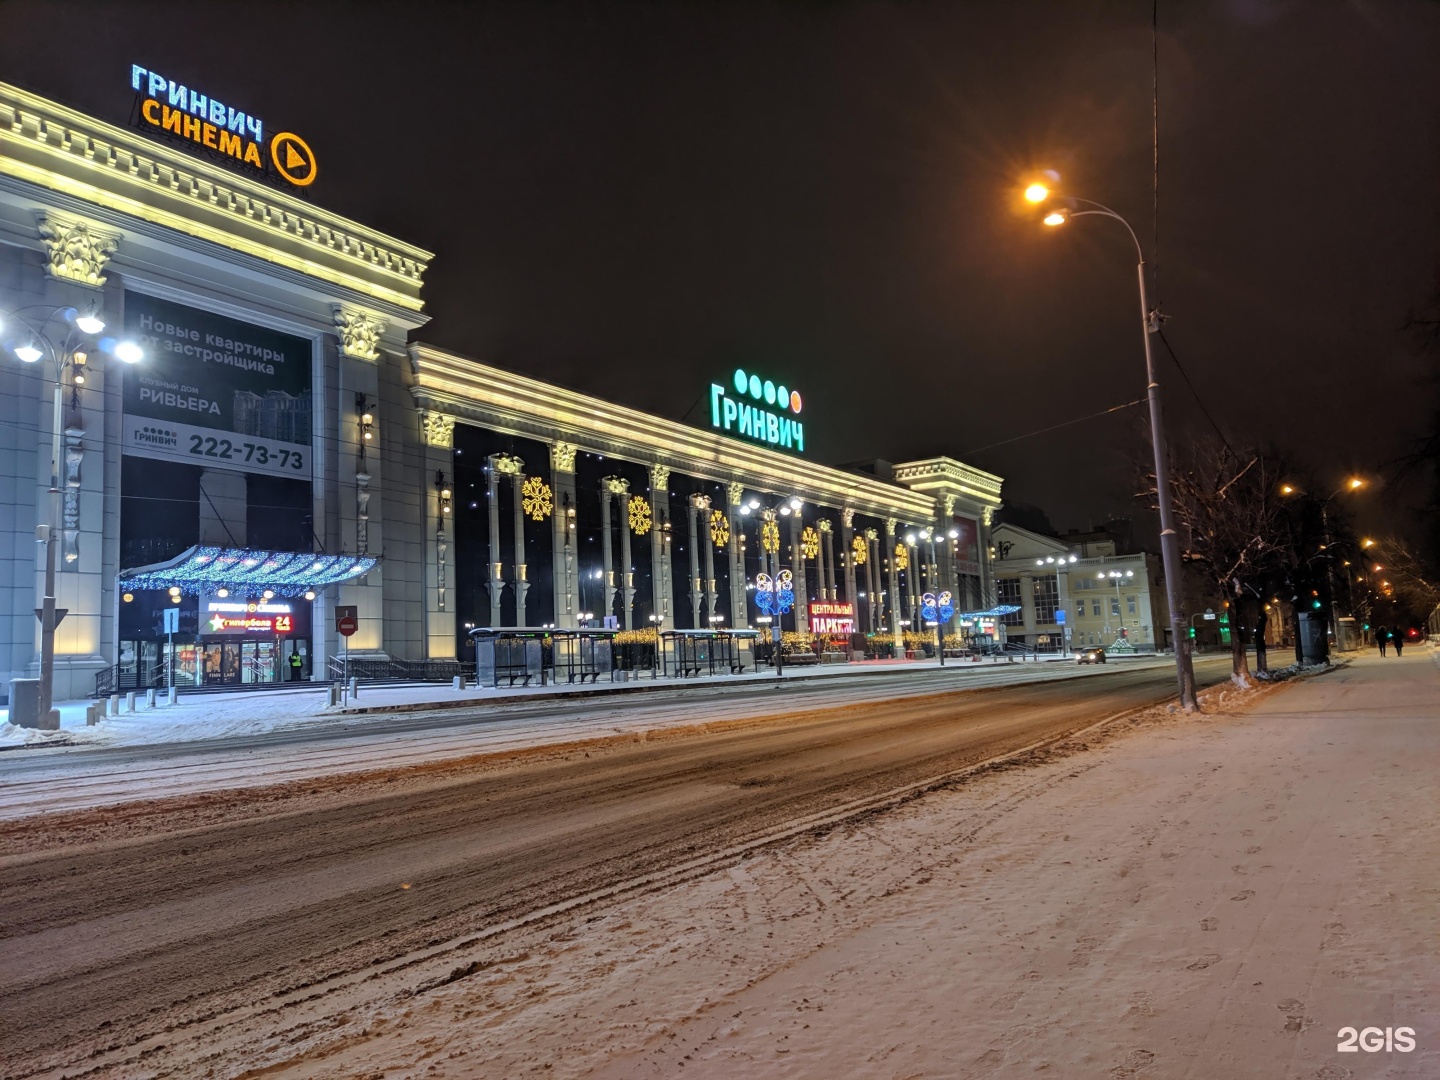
x: 1210, y: 615
x: 1060, y: 616
x: 60, y: 613
x: 347, y: 620
x: 171, y: 620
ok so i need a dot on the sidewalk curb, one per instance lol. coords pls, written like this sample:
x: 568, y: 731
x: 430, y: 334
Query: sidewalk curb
x: 642, y: 688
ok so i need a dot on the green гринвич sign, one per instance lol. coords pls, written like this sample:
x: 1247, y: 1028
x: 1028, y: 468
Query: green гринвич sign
x: 216, y: 392
x: 759, y: 410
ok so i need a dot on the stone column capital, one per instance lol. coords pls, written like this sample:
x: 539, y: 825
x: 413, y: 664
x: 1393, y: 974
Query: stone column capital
x: 359, y: 332
x: 438, y: 429
x: 76, y: 250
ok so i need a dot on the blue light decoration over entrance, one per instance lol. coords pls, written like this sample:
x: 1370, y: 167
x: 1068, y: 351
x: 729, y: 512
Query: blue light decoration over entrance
x: 288, y: 573
x: 937, y: 608
x: 777, y: 596
x: 769, y: 415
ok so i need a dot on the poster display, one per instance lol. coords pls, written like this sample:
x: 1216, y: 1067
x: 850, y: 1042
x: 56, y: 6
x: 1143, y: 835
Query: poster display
x: 216, y: 392
x: 967, y: 545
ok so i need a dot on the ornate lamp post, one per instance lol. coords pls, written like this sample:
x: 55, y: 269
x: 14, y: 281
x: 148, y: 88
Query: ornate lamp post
x: 31, y: 342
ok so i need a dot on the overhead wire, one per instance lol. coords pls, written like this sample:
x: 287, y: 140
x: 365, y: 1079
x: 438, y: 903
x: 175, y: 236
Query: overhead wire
x: 1056, y: 427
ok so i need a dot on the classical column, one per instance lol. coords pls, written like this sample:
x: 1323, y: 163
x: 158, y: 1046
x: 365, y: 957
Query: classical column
x: 707, y: 527
x: 875, y: 602
x: 627, y: 568
x: 988, y: 598
x: 522, y: 576
x: 827, y: 540
x: 847, y: 553
x: 495, y: 581
x: 739, y: 608
x: 892, y: 583
x: 697, y: 505
x: 662, y: 582
x: 563, y: 569
x: 607, y: 557
x: 802, y: 586
x: 437, y: 435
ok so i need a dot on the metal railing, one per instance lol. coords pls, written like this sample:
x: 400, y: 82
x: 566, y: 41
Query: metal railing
x: 372, y: 669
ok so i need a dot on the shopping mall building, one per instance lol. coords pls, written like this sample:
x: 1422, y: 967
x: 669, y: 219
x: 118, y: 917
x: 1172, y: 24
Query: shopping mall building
x: 215, y: 428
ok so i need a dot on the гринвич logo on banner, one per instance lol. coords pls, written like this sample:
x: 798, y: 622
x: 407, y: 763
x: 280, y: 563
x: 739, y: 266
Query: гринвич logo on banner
x: 151, y: 435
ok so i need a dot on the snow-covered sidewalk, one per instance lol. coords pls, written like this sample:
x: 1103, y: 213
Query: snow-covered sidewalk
x: 1216, y: 896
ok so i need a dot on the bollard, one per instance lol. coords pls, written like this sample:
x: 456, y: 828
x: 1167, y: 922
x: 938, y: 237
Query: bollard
x: 354, y: 687
x: 150, y: 698
x: 130, y: 701
x: 92, y: 715
x: 457, y: 683
x: 174, y: 695
x: 334, y: 696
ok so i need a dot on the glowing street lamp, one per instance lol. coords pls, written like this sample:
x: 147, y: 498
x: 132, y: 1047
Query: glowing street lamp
x: 1037, y: 193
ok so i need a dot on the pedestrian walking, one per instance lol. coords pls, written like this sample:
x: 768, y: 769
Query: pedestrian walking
x: 1399, y: 643
x: 1382, y: 637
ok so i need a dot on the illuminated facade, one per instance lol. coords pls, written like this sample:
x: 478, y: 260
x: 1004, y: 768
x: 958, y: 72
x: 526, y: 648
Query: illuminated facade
x: 278, y: 409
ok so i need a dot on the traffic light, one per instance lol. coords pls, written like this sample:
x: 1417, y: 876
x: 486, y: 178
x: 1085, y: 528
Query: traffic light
x: 1192, y: 633
x: 1315, y: 604
x: 1365, y: 627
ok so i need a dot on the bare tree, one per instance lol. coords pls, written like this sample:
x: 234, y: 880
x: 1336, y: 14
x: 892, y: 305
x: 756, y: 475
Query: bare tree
x: 1227, y: 510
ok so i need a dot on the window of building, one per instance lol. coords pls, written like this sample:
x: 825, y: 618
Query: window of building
x: 1095, y: 607
x: 1047, y: 598
x: 1130, y: 604
x: 1007, y: 592
x: 1114, y: 605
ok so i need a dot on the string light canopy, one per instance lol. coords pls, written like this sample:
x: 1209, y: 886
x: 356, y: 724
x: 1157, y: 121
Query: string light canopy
x: 997, y: 612
x: 289, y: 573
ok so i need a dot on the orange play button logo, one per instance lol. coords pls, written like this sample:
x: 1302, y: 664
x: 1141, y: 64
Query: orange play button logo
x: 293, y: 159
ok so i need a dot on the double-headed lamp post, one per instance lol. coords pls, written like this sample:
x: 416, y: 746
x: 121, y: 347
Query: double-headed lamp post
x: 27, y: 337
x: 1060, y: 211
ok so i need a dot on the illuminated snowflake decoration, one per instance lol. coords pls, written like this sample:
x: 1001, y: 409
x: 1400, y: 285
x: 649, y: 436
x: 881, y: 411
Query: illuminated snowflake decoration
x: 640, y: 519
x: 809, y: 543
x: 719, y: 528
x: 902, y: 557
x: 775, y: 596
x: 770, y: 537
x: 859, y: 550
x: 535, y: 499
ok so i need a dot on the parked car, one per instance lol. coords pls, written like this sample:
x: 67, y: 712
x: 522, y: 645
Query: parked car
x: 1094, y: 655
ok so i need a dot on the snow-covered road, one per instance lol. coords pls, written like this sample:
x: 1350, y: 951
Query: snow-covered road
x: 272, y: 738
x: 1196, y: 898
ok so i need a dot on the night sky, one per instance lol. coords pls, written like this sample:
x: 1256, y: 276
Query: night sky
x: 633, y: 199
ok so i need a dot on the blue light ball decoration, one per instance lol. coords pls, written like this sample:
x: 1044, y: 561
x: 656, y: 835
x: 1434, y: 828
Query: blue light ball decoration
x: 777, y: 596
x: 937, y: 608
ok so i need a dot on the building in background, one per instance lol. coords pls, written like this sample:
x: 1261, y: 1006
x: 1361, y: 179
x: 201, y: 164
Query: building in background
x: 282, y: 448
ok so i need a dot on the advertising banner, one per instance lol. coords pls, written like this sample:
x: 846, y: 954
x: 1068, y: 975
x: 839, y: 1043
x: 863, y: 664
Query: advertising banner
x: 216, y: 392
x: 967, y: 545
x: 831, y: 617
x: 276, y: 617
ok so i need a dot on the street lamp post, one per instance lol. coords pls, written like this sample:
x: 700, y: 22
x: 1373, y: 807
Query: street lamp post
x: 1169, y: 538
x: 35, y: 346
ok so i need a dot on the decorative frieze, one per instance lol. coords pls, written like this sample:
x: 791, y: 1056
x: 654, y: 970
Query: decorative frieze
x: 77, y: 250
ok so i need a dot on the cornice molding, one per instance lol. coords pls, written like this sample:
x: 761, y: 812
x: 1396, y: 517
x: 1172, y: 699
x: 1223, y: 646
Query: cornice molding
x: 519, y: 405
x: 57, y: 148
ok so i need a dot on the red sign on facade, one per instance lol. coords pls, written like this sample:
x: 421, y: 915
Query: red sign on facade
x: 346, y: 620
x: 830, y: 617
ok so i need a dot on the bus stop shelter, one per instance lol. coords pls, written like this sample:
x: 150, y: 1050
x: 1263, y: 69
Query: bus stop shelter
x: 690, y: 654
